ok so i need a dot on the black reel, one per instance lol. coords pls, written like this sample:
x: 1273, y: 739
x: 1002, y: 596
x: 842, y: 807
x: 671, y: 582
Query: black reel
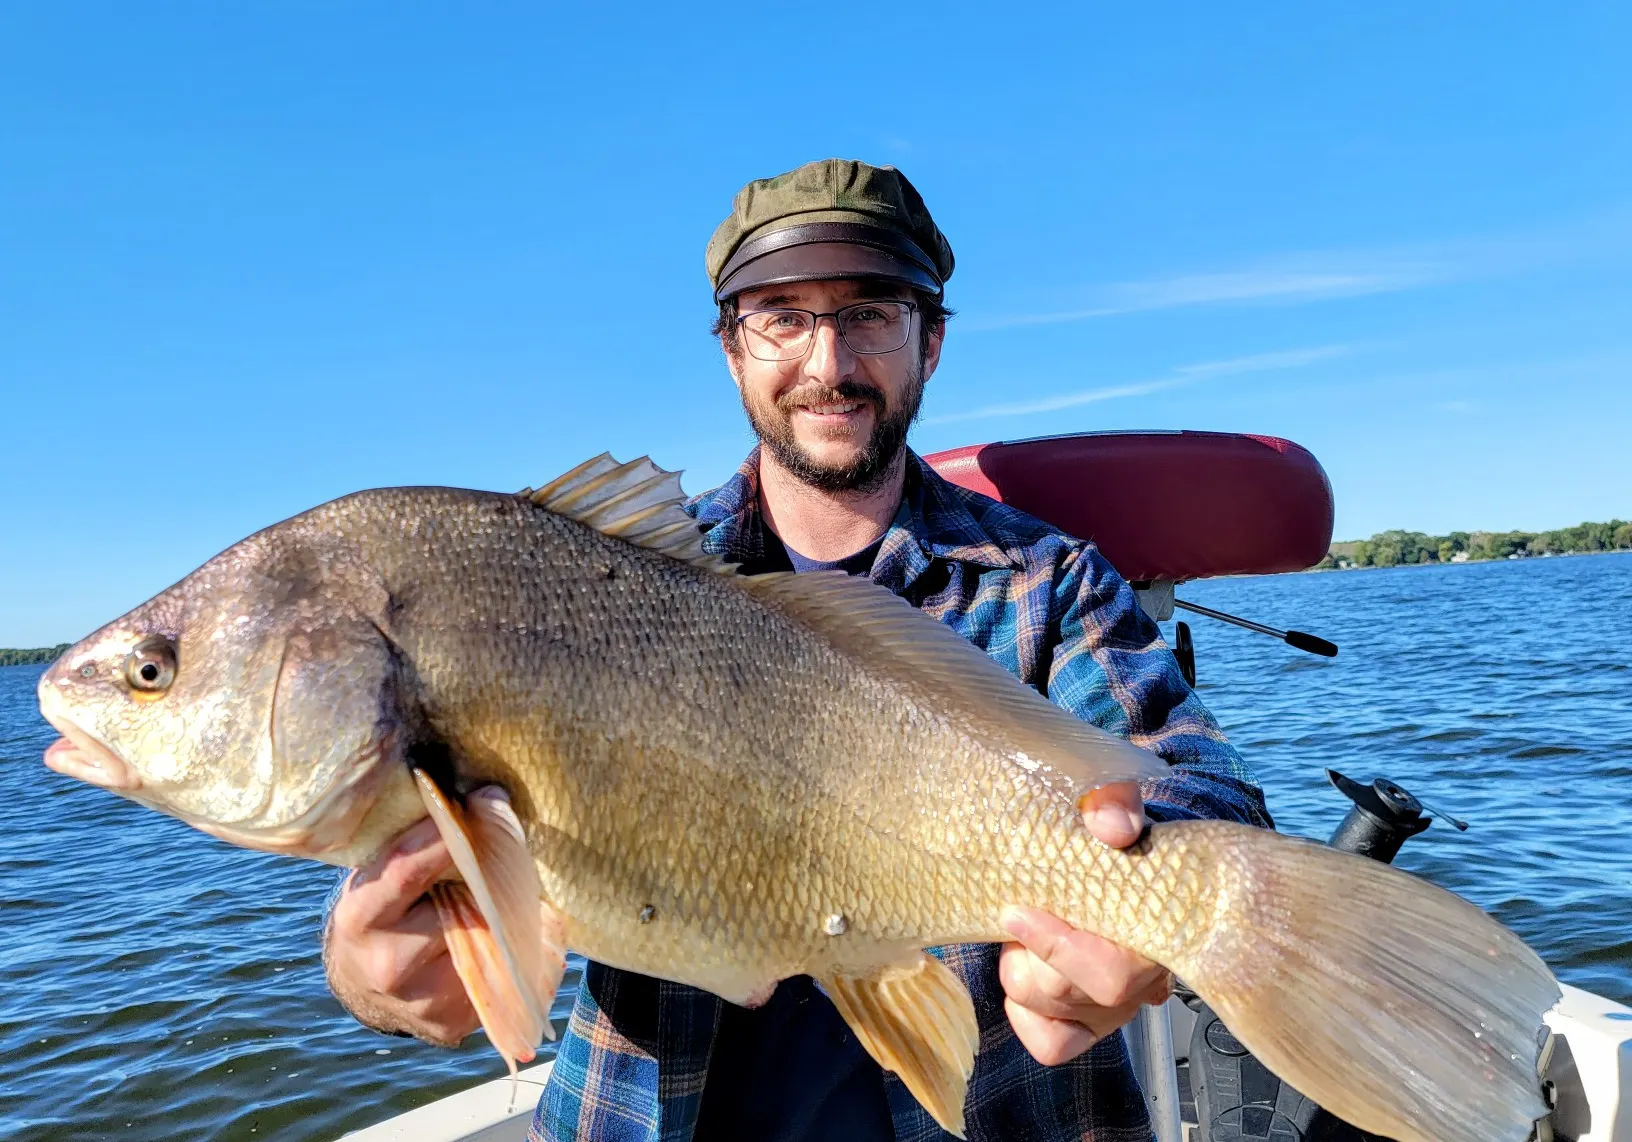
x: 1237, y: 1098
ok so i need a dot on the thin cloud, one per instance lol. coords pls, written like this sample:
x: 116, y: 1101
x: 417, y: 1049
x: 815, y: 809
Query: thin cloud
x: 1069, y: 400
x: 1263, y: 362
x: 1282, y: 285
x: 1183, y: 375
x: 1276, y: 285
x: 1315, y: 276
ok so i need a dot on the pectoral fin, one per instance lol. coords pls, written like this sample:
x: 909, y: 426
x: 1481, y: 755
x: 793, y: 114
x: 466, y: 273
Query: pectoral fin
x: 507, y: 1017
x: 917, y: 1020
x: 505, y: 941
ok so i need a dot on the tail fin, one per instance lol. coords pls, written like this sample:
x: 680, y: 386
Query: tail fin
x: 1396, y: 1005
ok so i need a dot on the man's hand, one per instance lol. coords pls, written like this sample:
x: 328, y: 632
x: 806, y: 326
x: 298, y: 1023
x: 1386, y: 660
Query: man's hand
x: 1066, y: 990
x: 386, y: 960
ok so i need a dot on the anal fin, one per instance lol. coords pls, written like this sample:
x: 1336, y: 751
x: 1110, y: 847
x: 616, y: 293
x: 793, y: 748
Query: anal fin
x: 916, y: 1019
x: 506, y: 942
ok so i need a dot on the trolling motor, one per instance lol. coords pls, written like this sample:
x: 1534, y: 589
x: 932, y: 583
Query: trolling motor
x: 1384, y: 817
x: 1237, y: 1098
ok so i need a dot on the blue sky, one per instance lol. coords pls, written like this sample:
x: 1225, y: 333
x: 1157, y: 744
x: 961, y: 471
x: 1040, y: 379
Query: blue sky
x: 254, y: 256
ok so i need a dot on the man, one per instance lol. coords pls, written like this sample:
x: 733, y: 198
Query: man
x: 830, y: 282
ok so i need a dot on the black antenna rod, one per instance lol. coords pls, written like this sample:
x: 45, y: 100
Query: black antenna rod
x: 1292, y: 638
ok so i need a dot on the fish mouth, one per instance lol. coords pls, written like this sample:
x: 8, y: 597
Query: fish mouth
x: 78, y: 755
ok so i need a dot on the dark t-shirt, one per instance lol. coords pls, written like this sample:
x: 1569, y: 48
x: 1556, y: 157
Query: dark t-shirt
x: 792, y: 1071
x: 780, y: 557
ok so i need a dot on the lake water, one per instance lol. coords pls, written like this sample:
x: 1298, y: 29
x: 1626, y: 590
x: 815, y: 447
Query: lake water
x: 160, y: 984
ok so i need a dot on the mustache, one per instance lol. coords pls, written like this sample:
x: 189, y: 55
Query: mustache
x: 814, y: 394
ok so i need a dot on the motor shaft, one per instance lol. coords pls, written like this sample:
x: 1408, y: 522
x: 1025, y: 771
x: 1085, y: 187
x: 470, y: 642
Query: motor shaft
x: 1297, y: 639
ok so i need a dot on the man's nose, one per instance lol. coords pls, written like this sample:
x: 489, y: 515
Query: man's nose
x: 829, y: 359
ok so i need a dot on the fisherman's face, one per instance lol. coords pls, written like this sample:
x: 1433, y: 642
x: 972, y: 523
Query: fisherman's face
x: 834, y: 418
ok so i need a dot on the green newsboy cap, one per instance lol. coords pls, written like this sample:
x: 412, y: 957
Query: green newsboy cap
x: 837, y: 218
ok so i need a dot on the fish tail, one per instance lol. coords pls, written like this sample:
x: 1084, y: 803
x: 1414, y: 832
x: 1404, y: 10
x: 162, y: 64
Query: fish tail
x: 1394, y: 1004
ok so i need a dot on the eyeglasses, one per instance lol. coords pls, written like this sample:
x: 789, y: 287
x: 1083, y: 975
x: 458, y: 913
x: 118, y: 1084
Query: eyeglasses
x: 868, y: 327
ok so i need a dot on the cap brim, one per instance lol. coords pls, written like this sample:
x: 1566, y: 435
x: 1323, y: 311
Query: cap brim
x: 825, y: 261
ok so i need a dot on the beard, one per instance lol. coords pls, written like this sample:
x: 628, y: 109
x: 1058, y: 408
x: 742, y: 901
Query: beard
x: 867, y: 472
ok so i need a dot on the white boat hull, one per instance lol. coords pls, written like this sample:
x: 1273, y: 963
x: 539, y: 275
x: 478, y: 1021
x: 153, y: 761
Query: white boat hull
x: 1594, y: 1034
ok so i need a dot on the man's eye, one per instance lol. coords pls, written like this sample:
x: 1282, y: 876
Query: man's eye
x: 786, y: 321
x: 869, y: 316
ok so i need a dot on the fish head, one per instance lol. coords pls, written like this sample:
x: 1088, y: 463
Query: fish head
x: 256, y: 699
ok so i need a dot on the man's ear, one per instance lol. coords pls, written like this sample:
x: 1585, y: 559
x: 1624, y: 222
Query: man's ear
x: 733, y: 364
x: 932, y: 351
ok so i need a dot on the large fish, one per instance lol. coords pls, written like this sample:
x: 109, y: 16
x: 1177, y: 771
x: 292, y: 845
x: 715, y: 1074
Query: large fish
x: 728, y: 780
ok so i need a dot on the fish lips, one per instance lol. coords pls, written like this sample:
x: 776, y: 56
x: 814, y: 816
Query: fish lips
x: 79, y: 755
x: 95, y: 767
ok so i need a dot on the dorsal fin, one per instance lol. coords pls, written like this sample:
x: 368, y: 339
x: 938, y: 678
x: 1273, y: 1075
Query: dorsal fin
x: 864, y: 621
x: 637, y: 502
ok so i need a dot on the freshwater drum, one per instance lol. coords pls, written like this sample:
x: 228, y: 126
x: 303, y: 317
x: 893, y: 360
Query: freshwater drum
x: 729, y: 780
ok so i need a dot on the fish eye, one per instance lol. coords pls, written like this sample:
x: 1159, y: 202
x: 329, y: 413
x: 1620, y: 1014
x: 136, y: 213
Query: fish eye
x: 87, y: 671
x: 151, y: 667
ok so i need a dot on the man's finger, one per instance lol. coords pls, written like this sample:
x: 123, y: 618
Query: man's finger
x: 1050, y: 1041
x: 1114, y: 814
x: 1106, y: 973
x: 381, y: 892
x: 388, y: 886
x: 391, y: 958
x: 1035, y: 986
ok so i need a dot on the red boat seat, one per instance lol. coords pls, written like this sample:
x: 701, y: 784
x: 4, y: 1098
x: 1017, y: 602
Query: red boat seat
x: 1164, y: 505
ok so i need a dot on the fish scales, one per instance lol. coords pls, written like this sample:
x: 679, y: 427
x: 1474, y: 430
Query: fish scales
x: 668, y: 740
x: 726, y: 781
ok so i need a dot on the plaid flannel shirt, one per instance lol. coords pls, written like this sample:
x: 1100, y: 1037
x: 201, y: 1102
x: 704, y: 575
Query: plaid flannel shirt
x: 1050, y: 609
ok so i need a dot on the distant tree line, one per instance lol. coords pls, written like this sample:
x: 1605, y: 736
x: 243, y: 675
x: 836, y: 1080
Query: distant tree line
x: 27, y: 657
x: 1392, y: 548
